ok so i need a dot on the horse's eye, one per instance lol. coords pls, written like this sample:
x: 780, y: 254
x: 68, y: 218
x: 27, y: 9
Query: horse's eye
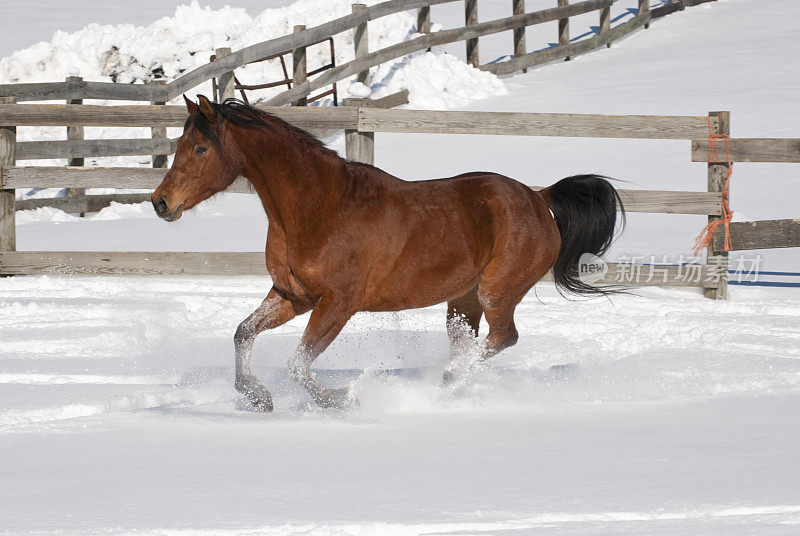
x: 200, y: 150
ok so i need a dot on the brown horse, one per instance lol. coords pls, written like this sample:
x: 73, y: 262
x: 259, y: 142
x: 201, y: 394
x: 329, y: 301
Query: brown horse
x: 346, y: 237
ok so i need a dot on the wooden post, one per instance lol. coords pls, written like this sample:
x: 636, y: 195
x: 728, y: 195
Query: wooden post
x: 299, y: 75
x: 717, y: 171
x: 563, y: 28
x: 8, y: 141
x: 644, y: 6
x: 159, y: 133
x: 359, y: 146
x: 471, y: 17
x: 424, y: 20
x: 361, y: 43
x: 75, y: 133
x: 605, y: 22
x: 518, y: 8
x: 226, y: 87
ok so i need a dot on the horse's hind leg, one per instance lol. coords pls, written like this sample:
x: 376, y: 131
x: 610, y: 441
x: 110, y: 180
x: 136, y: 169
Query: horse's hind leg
x: 273, y: 311
x: 464, y: 311
x: 463, y: 321
x: 500, y: 317
x: 502, y: 287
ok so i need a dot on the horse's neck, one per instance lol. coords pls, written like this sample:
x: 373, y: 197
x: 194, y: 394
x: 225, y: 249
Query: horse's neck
x: 299, y: 186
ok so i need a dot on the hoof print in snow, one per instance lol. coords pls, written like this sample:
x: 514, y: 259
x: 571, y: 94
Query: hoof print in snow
x: 343, y: 398
x: 567, y: 371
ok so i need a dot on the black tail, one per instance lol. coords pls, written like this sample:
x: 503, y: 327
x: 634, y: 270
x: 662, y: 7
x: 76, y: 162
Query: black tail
x: 585, y: 210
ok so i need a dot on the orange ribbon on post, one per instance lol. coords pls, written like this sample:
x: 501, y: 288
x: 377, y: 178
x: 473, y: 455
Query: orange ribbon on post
x: 705, y: 237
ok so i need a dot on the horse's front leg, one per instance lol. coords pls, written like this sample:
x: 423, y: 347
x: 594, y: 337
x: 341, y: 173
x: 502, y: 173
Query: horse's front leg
x: 327, y: 320
x: 273, y: 312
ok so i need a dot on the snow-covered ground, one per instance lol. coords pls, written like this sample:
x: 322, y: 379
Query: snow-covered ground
x: 674, y: 414
x: 678, y: 415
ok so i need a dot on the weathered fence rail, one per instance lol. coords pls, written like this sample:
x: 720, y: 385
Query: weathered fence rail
x: 140, y: 116
x: 677, y: 5
x: 534, y: 124
x: 361, y: 120
x: 752, y: 150
x: 81, y: 204
x: 247, y: 263
x: 656, y: 201
x: 763, y: 234
x: 37, y: 150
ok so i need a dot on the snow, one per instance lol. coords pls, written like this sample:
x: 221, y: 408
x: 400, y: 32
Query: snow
x: 678, y: 413
x: 659, y: 412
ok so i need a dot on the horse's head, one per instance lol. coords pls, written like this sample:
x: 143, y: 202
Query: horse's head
x: 205, y: 163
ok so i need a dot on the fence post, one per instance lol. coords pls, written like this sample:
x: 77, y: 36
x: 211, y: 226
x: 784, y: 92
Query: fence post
x: 605, y: 22
x: 471, y: 17
x: 644, y: 6
x: 8, y: 141
x: 563, y: 28
x: 159, y: 133
x: 75, y: 133
x: 717, y: 171
x: 299, y: 75
x: 424, y: 20
x: 225, y: 88
x: 518, y: 8
x: 359, y: 146
x: 361, y: 43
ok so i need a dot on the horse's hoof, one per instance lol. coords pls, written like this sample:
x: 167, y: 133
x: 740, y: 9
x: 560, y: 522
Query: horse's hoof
x: 261, y: 404
x: 343, y: 398
x: 256, y: 393
x: 452, y: 380
x: 449, y: 377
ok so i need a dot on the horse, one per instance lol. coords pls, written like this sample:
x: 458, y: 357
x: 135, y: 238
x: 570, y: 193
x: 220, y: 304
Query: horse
x: 345, y: 237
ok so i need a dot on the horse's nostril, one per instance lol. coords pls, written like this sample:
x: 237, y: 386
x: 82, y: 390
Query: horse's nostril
x: 160, y: 206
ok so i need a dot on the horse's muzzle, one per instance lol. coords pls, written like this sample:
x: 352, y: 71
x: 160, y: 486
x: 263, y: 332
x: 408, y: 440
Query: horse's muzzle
x: 162, y: 209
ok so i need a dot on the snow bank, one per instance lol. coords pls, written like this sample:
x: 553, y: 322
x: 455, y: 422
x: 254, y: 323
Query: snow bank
x: 436, y: 81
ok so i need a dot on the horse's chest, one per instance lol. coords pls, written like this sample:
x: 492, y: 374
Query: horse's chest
x: 283, y: 276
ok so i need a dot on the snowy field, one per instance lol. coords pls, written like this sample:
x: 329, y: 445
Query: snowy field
x: 659, y: 412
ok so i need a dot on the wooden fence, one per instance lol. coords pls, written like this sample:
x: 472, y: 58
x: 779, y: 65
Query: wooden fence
x: 74, y: 90
x: 224, y: 65
x: 360, y: 119
x: 360, y: 122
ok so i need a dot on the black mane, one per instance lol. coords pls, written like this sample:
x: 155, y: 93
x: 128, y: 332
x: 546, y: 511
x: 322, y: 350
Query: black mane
x: 242, y: 114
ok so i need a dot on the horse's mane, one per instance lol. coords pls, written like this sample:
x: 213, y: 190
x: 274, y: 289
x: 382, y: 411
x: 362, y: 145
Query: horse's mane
x: 242, y: 114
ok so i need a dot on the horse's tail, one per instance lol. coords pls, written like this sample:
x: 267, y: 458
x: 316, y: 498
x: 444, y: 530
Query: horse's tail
x: 585, y: 210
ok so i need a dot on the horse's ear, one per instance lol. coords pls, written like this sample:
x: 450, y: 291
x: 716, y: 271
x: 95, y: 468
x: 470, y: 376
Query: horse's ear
x: 206, y: 108
x: 191, y: 106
